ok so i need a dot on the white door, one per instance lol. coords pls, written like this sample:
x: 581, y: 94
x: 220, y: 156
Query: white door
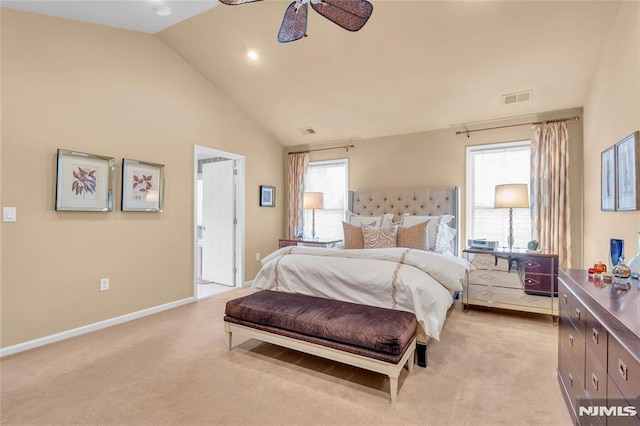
x: 219, y: 220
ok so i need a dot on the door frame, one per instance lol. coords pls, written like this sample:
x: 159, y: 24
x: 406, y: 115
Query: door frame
x: 240, y: 211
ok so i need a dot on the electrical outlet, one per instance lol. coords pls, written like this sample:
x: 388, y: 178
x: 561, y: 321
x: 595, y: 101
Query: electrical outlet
x: 257, y: 256
x: 104, y: 284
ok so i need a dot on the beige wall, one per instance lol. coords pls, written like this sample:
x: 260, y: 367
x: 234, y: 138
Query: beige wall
x: 102, y: 90
x: 612, y: 112
x: 438, y: 158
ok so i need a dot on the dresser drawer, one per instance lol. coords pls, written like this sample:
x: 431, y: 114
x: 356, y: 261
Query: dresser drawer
x: 595, y: 378
x: 565, y: 299
x: 577, y: 314
x: 570, y: 378
x: 573, y: 344
x: 624, y: 369
x: 615, y: 400
x: 596, y: 338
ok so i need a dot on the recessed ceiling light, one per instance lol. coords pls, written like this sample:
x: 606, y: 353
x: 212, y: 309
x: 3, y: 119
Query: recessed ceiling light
x: 253, y: 55
x: 163, y: 10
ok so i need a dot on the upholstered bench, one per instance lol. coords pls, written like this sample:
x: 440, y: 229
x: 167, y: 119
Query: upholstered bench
x: 376, y: 339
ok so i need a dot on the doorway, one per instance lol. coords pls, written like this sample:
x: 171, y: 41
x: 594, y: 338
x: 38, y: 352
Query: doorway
x: 219, y: 221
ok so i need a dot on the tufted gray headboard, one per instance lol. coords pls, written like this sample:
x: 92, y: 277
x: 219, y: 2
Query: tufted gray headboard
x: 415, y: 201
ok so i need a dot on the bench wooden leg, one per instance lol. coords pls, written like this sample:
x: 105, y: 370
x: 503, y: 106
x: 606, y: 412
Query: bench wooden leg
x: 393, y: 388
x: 227, y: 330
x: 410, y: 363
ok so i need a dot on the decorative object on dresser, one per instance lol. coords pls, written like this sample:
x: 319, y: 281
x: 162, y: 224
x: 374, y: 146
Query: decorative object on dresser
x: 598, y: 350
x: 511, y: 196
x: 312, y: 201
x: 616, y: 251
x: 317, y: 242
x: 514, y: 280
x: 634, y: 263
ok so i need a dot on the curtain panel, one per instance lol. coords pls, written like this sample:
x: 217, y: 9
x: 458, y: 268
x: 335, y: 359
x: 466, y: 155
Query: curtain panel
x: 550, y: 190
x: 297, y: 166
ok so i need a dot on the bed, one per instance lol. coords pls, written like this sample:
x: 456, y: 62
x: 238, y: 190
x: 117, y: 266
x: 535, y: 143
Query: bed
x: 418, y: 281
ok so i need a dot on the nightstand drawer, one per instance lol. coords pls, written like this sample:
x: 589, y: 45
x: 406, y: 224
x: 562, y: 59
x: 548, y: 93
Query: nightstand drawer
x: 540, y: 265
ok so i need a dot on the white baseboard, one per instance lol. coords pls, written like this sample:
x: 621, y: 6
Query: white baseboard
x: 10, y: 350
x: 247, y: 283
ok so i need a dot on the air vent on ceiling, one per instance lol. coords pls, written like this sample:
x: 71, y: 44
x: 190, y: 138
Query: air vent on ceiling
x: 307, y: 131
x: 512, y: 98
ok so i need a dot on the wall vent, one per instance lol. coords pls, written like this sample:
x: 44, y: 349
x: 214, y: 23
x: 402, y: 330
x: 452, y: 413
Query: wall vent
x: 512, y: 98
x: 307, y: 131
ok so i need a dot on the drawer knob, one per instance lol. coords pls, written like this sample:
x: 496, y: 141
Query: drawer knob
x: 565, y: 298
x: 594, y: 335
x: 570, y: 379
x: 571, y: 339
x: 578, y: 314
x: 622, y: 369
x: 594, y: 381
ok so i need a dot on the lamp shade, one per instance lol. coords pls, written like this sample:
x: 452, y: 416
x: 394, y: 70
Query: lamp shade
x: 513, y: 195
x: 313, y: 200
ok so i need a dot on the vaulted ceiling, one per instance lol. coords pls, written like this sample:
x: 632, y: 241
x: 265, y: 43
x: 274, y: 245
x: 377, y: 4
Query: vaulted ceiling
x: 415, y: 66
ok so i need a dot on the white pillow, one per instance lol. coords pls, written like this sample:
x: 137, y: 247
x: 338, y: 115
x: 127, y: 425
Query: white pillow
x: 439, y: 234
x: 356, y: 219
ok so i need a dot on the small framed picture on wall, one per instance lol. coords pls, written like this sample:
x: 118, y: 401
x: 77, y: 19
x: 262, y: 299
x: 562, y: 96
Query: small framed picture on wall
x: 608, y: 180
x: 628, y: 173
x: 142, y: 186
x: 267, y: 196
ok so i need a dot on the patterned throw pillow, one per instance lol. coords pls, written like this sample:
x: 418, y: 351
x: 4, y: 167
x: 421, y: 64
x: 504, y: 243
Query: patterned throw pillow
x: 414, y: 237
x: 383, y: 237
x: 353, y: 238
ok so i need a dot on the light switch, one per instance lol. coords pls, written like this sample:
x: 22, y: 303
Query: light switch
x: 8, y: 214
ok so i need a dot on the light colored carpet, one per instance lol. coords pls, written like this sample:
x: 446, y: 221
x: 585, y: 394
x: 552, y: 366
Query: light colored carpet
x: 173, y: 368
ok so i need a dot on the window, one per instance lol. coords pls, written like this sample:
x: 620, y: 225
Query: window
x: 330, y: 178
x: 488, y: 166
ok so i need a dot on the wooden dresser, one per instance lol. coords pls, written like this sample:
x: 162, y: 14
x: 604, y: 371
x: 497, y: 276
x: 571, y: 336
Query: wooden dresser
x: 599, y: 349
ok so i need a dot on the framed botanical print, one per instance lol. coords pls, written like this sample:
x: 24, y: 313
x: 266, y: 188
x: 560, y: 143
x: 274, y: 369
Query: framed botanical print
x: 84, y: 182
x: 628, y: 173
x: 142, y: 186
x: 608, y: 179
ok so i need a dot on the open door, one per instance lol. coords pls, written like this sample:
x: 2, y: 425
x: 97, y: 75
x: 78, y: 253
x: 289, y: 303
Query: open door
x: 219, y: 220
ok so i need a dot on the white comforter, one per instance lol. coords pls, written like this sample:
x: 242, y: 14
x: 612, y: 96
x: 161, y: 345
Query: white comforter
x: 408, y: 280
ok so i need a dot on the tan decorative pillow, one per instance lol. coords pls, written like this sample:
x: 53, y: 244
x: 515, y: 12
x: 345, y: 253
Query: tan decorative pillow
x: 414, y: 237
x: 383, y: 237
x: 353, y: 238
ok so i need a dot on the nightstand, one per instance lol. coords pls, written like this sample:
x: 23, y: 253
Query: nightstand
x: 517, y: 280
x: 285, y: 242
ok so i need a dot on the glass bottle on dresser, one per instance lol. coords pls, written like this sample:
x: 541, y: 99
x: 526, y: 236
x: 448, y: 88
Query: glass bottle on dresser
x: 634, y: 263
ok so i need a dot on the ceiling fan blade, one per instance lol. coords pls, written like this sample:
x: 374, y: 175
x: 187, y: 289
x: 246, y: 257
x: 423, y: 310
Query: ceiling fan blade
x: 236, y: 2
x: 349, y: 14
x: 294, y: 23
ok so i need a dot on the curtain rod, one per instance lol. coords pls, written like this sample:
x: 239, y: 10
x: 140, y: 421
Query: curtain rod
x: 558, y: 120
x: 324, y: 149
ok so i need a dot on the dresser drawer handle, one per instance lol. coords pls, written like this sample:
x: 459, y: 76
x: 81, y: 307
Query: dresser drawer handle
x: 578, y: 314
x: 622, y: 369
x: 565, y: 298
x: 594, y: 381
x: 570, y: 380
x: 571, y: 340
x: 594, y: 335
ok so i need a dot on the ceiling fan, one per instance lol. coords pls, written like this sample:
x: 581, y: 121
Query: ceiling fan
x: 349, y: 14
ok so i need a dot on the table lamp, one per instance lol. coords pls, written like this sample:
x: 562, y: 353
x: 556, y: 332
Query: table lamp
x: 313, y: 201
x: 511, y: 196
